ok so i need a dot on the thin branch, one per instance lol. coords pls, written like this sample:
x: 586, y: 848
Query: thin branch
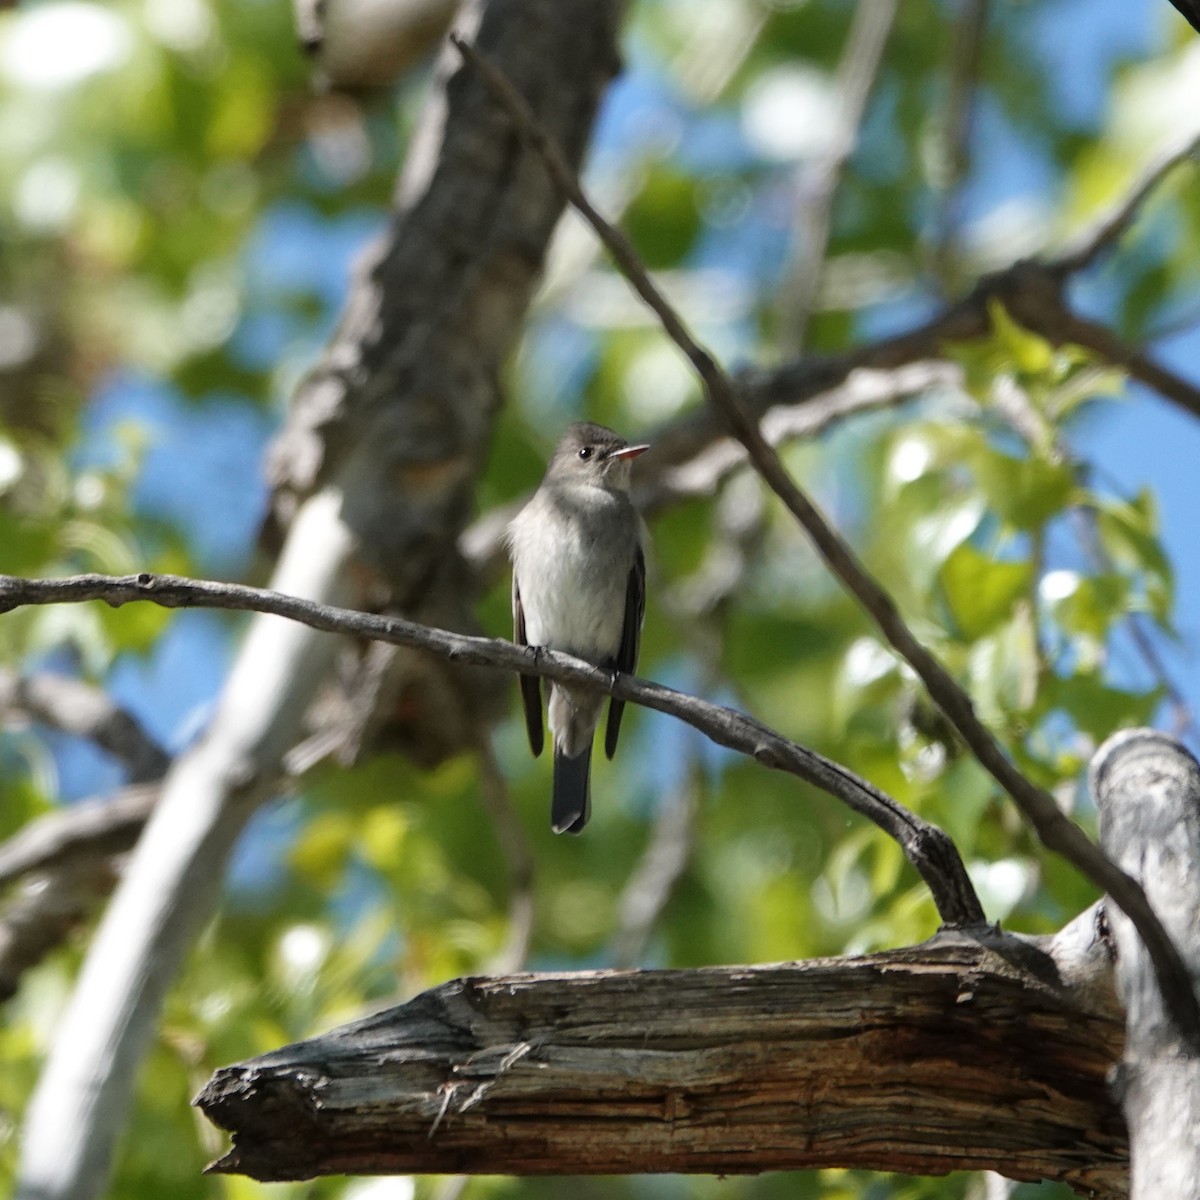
x: 966, y: 55
x: 653, y: 882
x: 864, y: 390
x: 67, y: 862
x: 91, y: 828
x: 818, y: 182
x: 514, y: 845
x: 1101, y: 238
x: 1191, y: 12
x: 1053, y: 828
x: 1103, y: 342
x: 78, y: 708
x: 928, y: 848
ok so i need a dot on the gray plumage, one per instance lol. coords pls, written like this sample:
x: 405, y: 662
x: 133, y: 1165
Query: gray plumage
x: 579, y: 585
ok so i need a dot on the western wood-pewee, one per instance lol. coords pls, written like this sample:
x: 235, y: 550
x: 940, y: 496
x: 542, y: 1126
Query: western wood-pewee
x: 579, y: 585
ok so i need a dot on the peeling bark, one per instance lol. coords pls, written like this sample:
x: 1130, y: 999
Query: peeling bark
x: 968, y: 1052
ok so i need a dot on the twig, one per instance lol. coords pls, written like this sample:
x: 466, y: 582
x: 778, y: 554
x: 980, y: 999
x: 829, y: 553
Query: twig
x: 1053, y: 828
x: 514, y: 845
x: 1114, y: 224
x: 928, y: 848
x: 652, y: 883
x: 818, y: 182
x: 957, y: 118
x: 864, y: 390
x: 1107, y: 345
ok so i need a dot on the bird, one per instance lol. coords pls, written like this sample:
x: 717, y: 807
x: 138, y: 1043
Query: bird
x: 579, y: 586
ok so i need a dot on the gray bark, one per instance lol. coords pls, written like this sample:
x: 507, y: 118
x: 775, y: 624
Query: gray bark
x: 969, y: 1052
x: 1147, y: 787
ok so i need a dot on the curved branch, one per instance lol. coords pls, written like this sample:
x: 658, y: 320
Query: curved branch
x: 1093, y: 243
x: 1191, y: 12
x: 91, y: 828
x: 79, y: 708
x: 928, y: 848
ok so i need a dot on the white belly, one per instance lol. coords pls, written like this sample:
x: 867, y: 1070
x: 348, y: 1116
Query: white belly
x: 571, y: 562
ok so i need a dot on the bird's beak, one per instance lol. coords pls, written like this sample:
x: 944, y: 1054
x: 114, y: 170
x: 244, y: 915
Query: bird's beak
x: 630, y: 451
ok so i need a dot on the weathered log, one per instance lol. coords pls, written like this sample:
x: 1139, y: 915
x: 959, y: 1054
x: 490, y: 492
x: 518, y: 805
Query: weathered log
x: 1147, y: 787
x: 967, y: 1052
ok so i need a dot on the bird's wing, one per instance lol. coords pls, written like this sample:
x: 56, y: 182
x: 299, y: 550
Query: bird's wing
x: 531, y: 685
x: 631, y: 640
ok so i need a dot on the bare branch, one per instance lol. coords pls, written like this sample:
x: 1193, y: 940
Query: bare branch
x: 78, y: 708
x: 1103, y: 342
x: 892, y: 1061
x: 863, y: 390
x: 44, y: 912
x: 67, y: 861
x: 818, y: 182
x: 100, y: 827
x: 929, y: 850
x: 957, y: 119
x: 652, y: 883
x: 1095, y: 242
x: 1191, y: 12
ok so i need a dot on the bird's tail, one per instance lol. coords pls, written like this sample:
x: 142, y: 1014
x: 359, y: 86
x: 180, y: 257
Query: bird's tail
x: 572, y: 802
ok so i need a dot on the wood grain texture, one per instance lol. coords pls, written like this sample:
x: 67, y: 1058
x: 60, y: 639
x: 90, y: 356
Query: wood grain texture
x: 967, y: 1052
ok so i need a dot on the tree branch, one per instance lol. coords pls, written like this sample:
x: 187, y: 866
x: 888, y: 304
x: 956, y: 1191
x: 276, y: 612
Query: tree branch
x: 957, y: 119
x: 91, y: 828
x: 818, y: 182
x: 1109, y: 230
x: 1147, y: 788
x: 1054, y: 830
x: 1191, y: 12
x: 928, y: 848
x: 892, y: 1061
x: 78, y: 708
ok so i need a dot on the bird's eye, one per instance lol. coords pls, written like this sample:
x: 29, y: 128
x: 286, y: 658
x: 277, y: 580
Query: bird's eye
x: 586, y: 452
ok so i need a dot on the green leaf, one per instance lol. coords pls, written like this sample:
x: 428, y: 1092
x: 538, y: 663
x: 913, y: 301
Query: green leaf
x: 981, y: 592
x: 1099, y: 709
x: 1093, y: 605
x: 1024, y: 492
x: 1032, y: 354
x: 1129, y: 534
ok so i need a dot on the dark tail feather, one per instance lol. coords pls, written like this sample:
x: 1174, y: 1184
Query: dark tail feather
x: 572, y: 803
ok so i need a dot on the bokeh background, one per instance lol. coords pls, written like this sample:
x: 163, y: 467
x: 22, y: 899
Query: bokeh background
x: 180, y: 209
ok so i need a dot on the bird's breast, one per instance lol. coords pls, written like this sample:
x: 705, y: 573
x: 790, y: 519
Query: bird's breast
x: 572, y: 555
